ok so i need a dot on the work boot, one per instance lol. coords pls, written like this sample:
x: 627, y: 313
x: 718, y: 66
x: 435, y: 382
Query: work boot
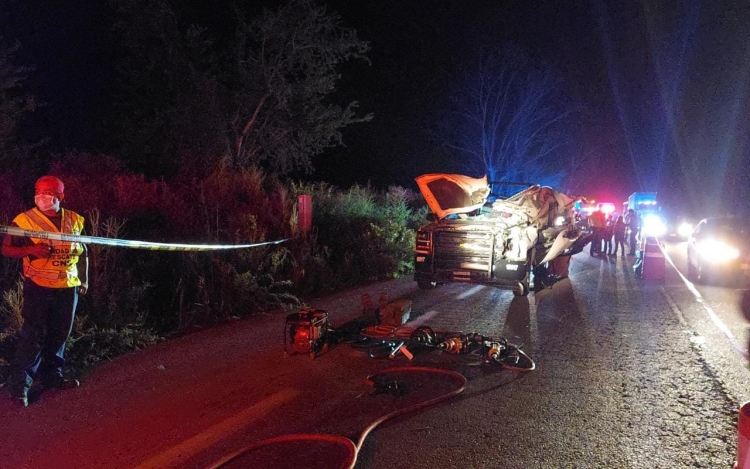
x: 20, y: 398
x: 59, y: 382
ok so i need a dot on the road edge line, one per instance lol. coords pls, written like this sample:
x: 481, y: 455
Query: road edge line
x: 733, y: 342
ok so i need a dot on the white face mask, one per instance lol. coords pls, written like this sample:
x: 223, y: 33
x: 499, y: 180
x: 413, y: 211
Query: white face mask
x: 47, y: 203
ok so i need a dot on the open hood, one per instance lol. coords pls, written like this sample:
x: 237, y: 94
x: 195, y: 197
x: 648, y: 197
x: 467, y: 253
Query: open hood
x: 448, y: 194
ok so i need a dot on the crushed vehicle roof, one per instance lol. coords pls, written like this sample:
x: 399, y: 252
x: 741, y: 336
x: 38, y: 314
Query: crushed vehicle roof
x: 448, y: 194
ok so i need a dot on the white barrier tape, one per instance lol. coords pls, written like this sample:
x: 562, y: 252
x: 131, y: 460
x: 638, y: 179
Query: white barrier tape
x: 126, y: 243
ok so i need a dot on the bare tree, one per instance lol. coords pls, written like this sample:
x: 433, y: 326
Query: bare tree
x: 503, y: 118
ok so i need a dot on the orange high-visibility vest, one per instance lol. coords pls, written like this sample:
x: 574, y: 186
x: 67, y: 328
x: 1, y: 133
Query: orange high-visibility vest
x: 60, y: 269
x: 597, y: 219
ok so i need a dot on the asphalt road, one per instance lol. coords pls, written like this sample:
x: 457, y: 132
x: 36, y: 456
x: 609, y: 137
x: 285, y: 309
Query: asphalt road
x: 630, y: 374
x: 714, y: 318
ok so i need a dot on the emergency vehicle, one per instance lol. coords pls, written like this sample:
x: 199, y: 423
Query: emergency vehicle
x: 646, y: 205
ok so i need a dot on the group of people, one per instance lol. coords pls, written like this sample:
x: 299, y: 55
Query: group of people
x: 611, y: 232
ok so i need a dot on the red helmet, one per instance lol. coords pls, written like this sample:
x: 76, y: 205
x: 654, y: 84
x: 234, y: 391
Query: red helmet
x: 50, y: 183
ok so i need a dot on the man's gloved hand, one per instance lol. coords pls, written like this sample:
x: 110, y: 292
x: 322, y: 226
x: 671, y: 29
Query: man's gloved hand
x: 39, y: 250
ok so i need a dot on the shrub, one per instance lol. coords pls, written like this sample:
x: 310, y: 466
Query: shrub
x: 96, y: 344
x: 360, y: 235
x: 11, y: 319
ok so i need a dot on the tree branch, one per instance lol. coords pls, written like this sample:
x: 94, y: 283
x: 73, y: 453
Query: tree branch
x: 249, y: 124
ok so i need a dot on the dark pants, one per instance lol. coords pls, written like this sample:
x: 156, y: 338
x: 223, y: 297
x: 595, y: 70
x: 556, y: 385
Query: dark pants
x: 632, y: 241
x: 47, y: 321
x: 620, y: 242
x: 596, y: 240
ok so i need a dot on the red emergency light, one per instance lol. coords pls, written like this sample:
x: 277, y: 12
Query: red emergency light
x: 606, y: 207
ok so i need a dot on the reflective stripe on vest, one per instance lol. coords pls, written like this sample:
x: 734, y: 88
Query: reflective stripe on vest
x: 59, y: 270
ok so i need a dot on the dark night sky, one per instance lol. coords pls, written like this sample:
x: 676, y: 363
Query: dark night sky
x: 655, y: 84
x: 415, y: 56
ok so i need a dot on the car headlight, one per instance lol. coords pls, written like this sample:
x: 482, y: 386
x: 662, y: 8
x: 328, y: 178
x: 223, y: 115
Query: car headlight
x: 717, y: 251
x: 684, y: 229
x: 653, y: 225
x: 560, y: 220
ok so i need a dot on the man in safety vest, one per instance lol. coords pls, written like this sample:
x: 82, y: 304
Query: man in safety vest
x: 597, y: 222
x: 54, y: 274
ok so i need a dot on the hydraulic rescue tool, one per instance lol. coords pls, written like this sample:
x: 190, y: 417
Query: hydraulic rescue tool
x: 308, y: 331
x: 494, y: 350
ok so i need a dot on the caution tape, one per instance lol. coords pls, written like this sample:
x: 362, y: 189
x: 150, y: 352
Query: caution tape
x: 126, y: 243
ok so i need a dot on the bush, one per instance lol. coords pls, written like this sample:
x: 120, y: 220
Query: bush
x: 360, y: 235
x: 98, y: 344
x: 11, y: 319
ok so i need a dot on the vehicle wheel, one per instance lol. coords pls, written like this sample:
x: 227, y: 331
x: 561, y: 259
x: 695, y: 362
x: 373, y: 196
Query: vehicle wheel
x: 691, y: 274
x: 700, y: 275
x: 426, y: 285
x: 522, y: 289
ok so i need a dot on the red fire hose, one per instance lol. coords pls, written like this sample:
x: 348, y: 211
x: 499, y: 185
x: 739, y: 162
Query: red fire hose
x: 349, y: 451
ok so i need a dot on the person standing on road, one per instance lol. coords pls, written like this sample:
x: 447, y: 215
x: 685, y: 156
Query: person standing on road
x: 619, y: 232
x: 608, y: 233
x: 631, y: 220
x: 597, y: 222
x: 54, y: 274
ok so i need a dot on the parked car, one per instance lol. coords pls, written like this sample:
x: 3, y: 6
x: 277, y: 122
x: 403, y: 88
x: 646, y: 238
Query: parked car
x: 719, y: 249
x: 502, y: 242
